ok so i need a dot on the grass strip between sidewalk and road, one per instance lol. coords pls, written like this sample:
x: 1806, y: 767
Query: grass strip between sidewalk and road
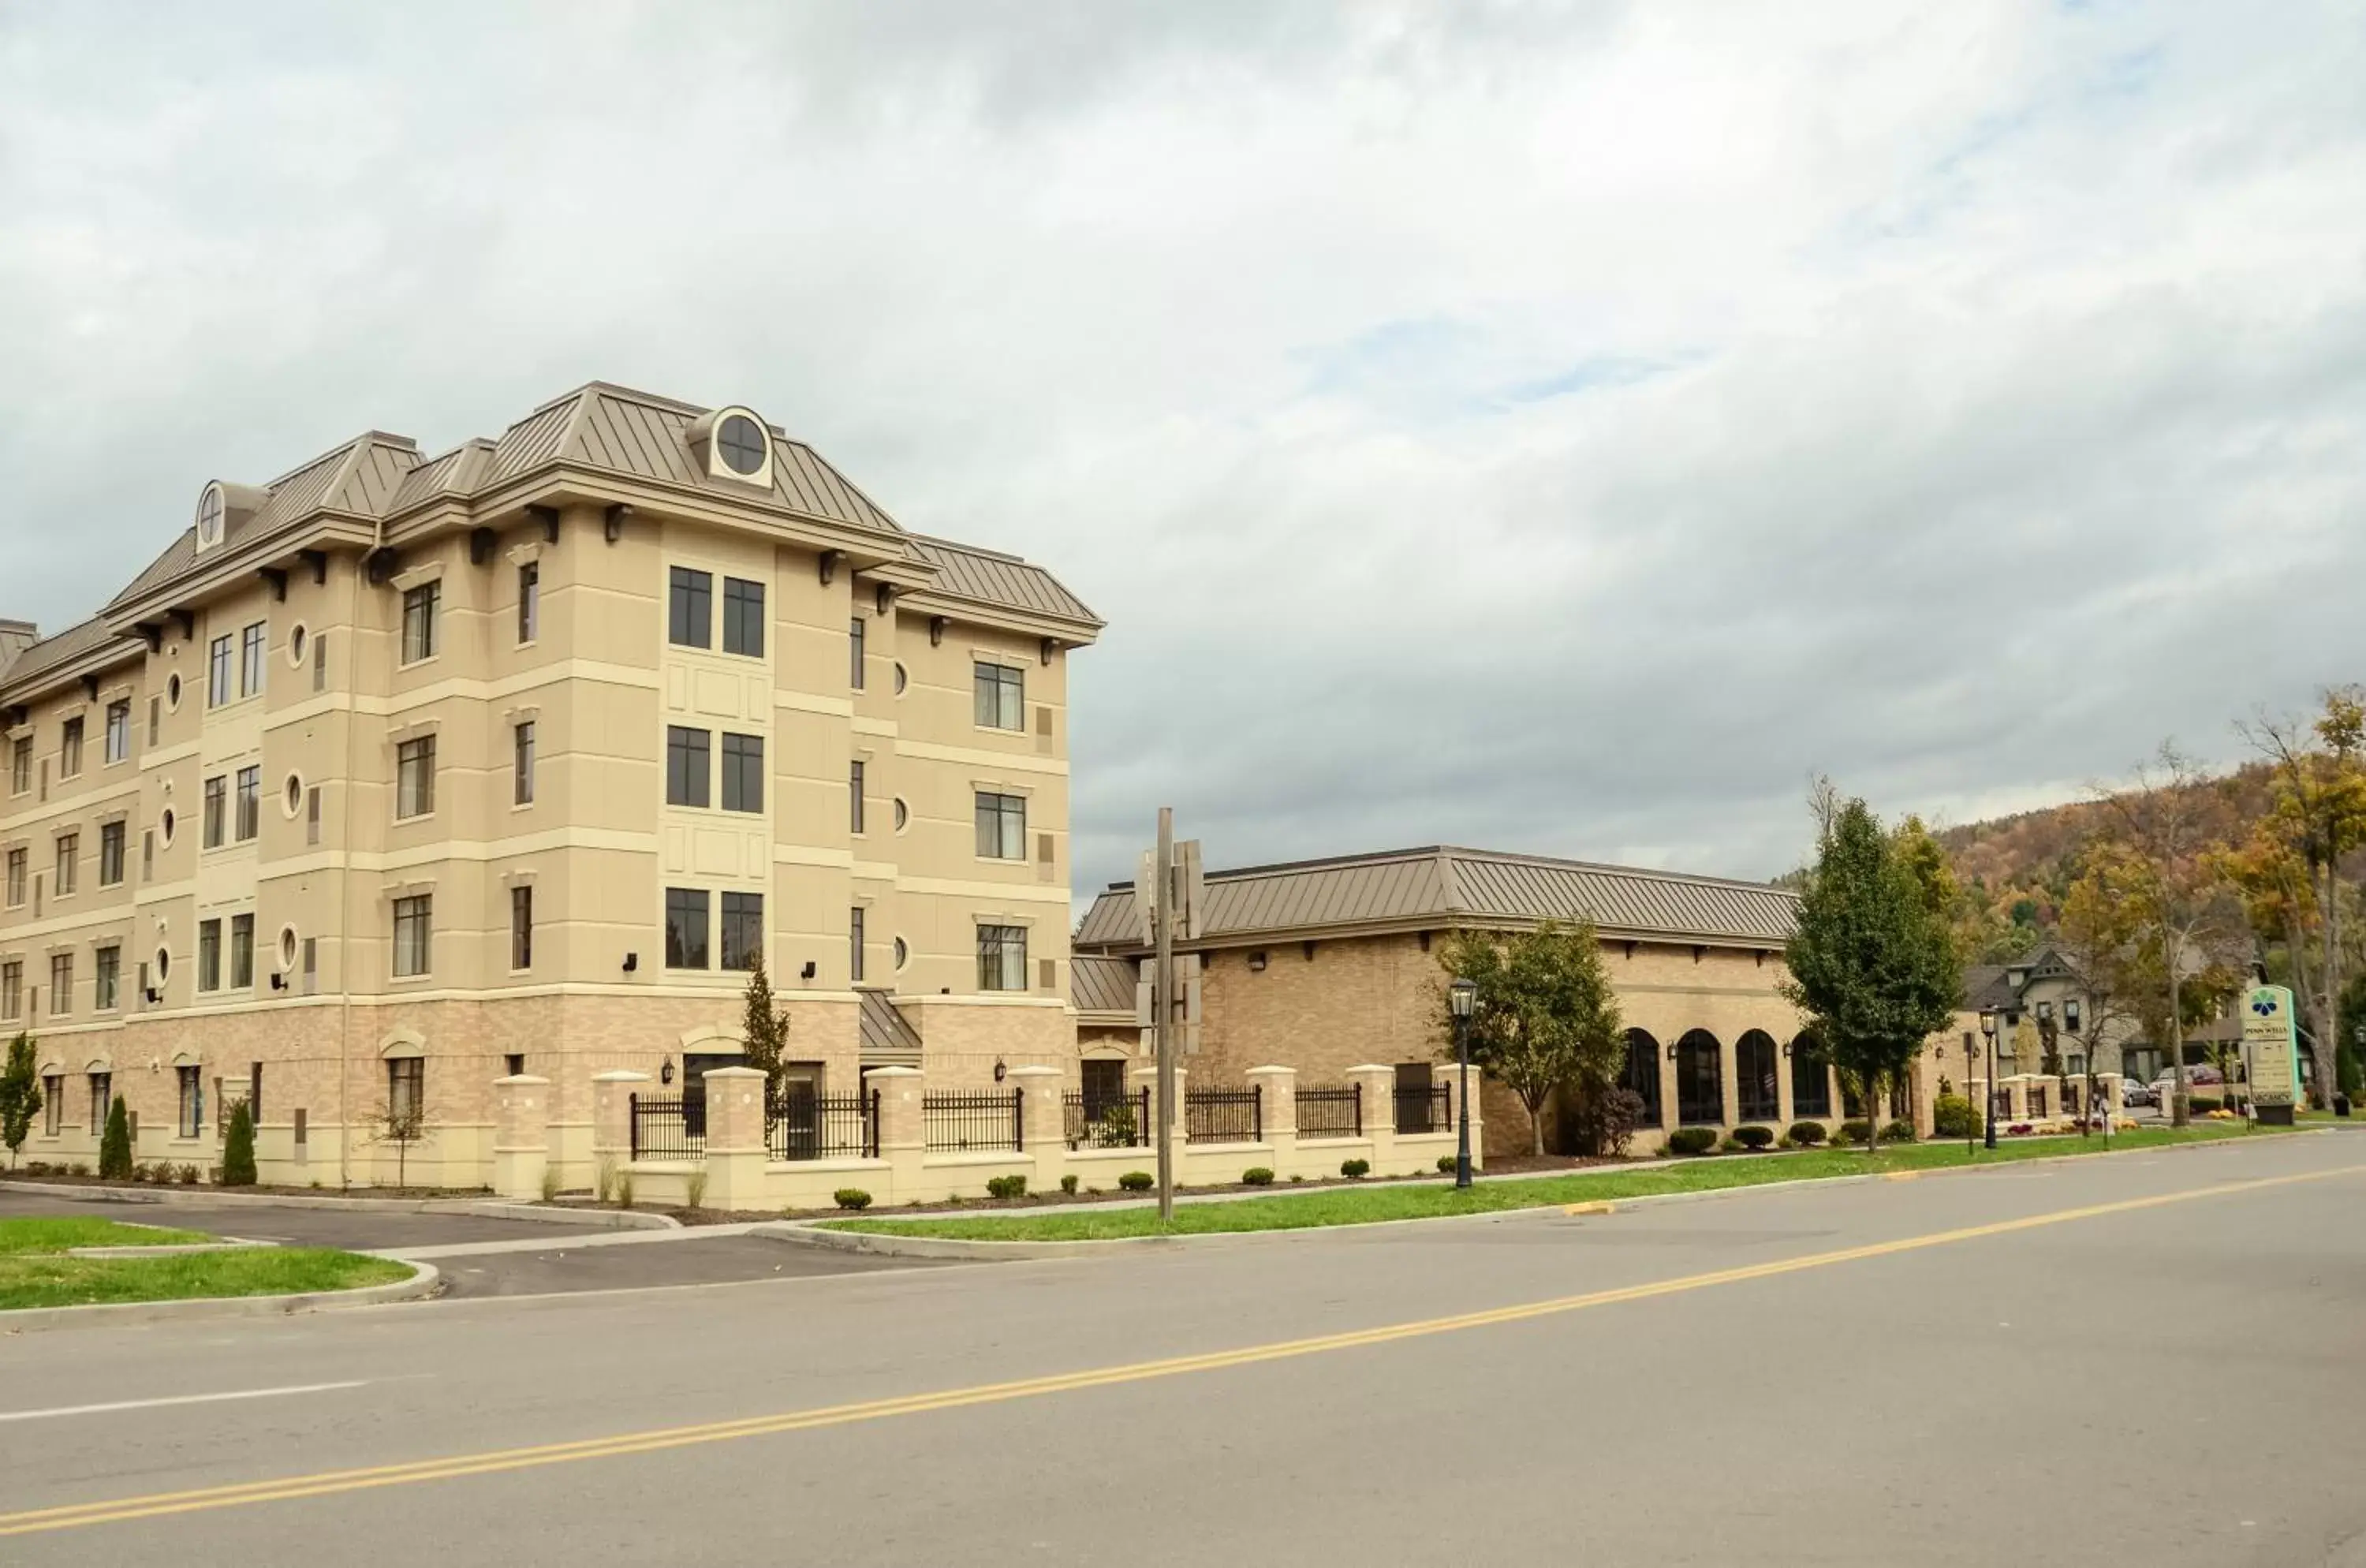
x: 36, y: 1272
x: 1363, y: 1206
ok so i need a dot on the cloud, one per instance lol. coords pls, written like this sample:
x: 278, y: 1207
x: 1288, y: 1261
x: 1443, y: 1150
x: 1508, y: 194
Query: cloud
x: 1550, y: 428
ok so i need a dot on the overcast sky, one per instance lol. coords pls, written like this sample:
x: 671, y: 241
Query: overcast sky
x: 1558, y: 429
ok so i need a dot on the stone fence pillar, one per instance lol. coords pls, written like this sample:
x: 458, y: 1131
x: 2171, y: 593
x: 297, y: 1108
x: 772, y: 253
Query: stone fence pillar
x: 1146, y: 1078
x: 735, y: 1138
x: 1379, y: 1086
x: 903, y: 1129
x: 1042, y: 1123
x: 612, y: 1121
x: 1277, y: 1109
x: 521, y: 1135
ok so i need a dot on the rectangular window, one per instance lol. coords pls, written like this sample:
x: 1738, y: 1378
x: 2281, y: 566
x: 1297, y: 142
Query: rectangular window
x: 529, y: 601
x: 191, y: 1104
x: 414, y: 777
x: 689, y: 608
x: 321, y: 662
x: 312, y: 815
x: 854, y: 790
x: 70, y: 749
x: 1002, y: 958
x: 522, y: 764
x: 311, y: 964
x: 102, y: 1085
x: 515, y: 1062
x: 12, y: 989
x: 20, y: 766
x: 406, y: 1094
x: 61, y: 984
x: 743, y: 617
x: 250, y: 803
x: 107, y: 978
x: 216, y: 811
x: 53, y: 1103
x: 16, y: 879
x: 1001, y: 696
x: 251, y: 644
x: 854, y: 946
x: 685, y: 932
x: 209, y: 955
x: 68, y: 864
x: 522, y: 926
x: 218, y: 672
x: 687, y: 766
x: 119, y: 730
x: 419, y: 608
x: 1001, y: 826
x: 110, y: 854
x: 414, y: 935
x: 155, y: 717
x: 242, y: 952
x: 854, y: 651
x: 148, y: 855
x: 743, y: 772
x: 743, y: 930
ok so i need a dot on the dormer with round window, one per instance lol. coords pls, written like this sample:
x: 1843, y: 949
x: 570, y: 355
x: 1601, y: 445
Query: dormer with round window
x: 734, y: 444
x: 221, y: 508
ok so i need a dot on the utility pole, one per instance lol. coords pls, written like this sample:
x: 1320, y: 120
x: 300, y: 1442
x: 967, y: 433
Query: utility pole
x: 1162, y: 918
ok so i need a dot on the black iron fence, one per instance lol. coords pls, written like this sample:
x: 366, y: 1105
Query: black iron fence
x: 1331, y: 1113
x: 666, y: 1128
x: 976, y: 1118
x: 1423, y: 1110
x: 1223, y: 1115
x: 1107, y: 1121
x: 801, y: 1124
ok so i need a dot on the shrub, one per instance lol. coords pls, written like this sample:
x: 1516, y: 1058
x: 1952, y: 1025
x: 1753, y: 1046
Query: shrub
x: 139, y: 1170
x: 1754, y: 1137
x: 1259, y: 1176
x: 694, y: 1188
x: 625, y: 1188
x: 1898, y: 1133
x: 604, y: 1180
x: 1295, y: 1176
x: 2204, y: 1104
x: 238, y: 1149
x: 1006, y: 1186
x: 549, y: 1183
x: 852, y: 1198
x: 1603, y: 1120
x: 1729, y: 1144
x: 1953, y: 1116
x: 1137, y: 1182
x: 1853, y: 1131
x: 37, y: 1167
x: 187, y: 1175
x: 79, y: 1168
x: 1446, y: 1163
x: 114, y: 1145
x: 1692, y: 1139
x: 1352, y: 1168
x: 1807, y: 1134
x: 1115, y: 1129
x: 1068, y: 1182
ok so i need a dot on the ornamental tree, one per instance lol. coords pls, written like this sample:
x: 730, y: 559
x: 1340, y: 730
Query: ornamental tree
x: 1547, y: 1017
x: 20, y: 1095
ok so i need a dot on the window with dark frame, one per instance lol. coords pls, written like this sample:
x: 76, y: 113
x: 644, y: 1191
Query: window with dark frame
x: 110, y: 853
x: 53, y: 1104
x: 249, y: 801
x: 209, y: 955
x: 1002, y: 958
x: 854, y: 636
x: 218, y: 667
x: 855, y: 792
x: 414, y: 777
x: 16, y: 879
x: 522, y: 926
x: 102, y: 1087
x: 12, y: 989
x: 687, y: 766
x: 107, y: 978
x: 414, y: 935
x: 1700, y: 1084
x: 216, y: 811
x: 406, y: 1092
x: 68, y: 879
x: 1001, y: 696
x: 1001, y: 826
x: 854, y: 944
x: 743, y: 617
x: 119, y: 730
x: 529, y: 619
x: 20, y: 766
x: 1755, y: 1083
x: 743, y: 930
x: 252, y: 643
x: 689, y: 608
x: 522, y: 763
x: 743, y: 772
x: 1640, y: 1073
x: 70, y: 749
x: 1811, y: 1081
x: 191, y: 1104
x: 242, y: 952
x: 419, y: 608
x: 61, y: 984
x: 685, y: 928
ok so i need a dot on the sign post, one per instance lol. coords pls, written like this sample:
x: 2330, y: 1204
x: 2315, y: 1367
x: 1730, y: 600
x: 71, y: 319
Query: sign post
x: 2270, y: 1054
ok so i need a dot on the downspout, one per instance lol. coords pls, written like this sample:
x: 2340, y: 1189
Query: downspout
x: 345, y: 871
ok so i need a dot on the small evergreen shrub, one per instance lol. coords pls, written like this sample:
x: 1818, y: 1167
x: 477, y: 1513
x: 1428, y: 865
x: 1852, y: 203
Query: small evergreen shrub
x: 1953, y: 1116
x: 115, y: 1145
x: 187, y: 1175
x: 1729, y: 1144
x: 1898, y: 1133
x: 1692, y: 1139
x: 1137, y: 1182
x: 79, y: 1168
x: 852, y: 1198
x: 1068, y: 1182
x: 1259, y: 1176
x: 1352, y: 1168
x: 1446, y: 1164
x: 1853, y: 1131
x: 37, y: 1167
x: 238, y: 1149
x: 1807, y: 1134
x: 1754, y: 1137
x: 139, y: 1170
x: 1006, y: 1186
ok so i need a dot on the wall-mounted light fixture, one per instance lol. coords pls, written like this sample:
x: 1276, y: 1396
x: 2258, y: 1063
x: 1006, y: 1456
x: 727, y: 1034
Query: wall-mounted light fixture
x: 632, y: 961
x: 808, y: 972
x: 1000, y: 1072
x: 665, y: 1073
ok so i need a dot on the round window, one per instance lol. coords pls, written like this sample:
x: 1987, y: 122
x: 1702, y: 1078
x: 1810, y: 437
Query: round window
x: 296, y: 640
x: 903, y: 814
x: 903, y: 954
x: 166, y: 822
x: 901, y: 678
x: 173, y: 690
x: 295, y: 795
x: 164, y: 965
x: 209, y: 515
x: 741, y: 444
x: 287, y: 947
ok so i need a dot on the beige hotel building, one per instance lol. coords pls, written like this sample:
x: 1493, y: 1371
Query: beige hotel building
x: 400, y: 774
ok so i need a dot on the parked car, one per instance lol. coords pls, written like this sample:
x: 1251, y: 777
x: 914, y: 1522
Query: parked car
x: 2135, y: 1094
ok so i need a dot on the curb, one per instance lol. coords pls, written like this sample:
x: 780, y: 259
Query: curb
x: 809, y: 1233
x: 481, y: 1208
x: 423, y: 1282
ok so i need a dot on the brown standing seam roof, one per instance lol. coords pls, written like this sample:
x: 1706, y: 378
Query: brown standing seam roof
x: 63, y: 649
x: 1102, y: 984
x: 1445, y: 887
x: 967, y: 572
x: 887, y: 1034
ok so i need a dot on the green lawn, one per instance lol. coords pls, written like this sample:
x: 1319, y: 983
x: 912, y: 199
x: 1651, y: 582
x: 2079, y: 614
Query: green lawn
x: 1356, y: 1205
x: 36, y: 1272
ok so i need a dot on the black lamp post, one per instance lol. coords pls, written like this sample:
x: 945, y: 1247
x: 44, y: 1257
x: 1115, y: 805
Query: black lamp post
x: 1971, y: 1067
x: 1463, y: 997
x: 1988, y: 1111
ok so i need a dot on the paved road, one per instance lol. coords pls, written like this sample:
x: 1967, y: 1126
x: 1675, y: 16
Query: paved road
x: 2158, y: 1358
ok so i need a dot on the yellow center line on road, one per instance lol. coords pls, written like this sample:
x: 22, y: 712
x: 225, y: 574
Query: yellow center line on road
x: 456, y: 1466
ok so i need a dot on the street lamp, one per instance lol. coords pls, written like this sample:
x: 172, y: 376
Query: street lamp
x: 1971, y: 1067
x: 1988, y: 1111
x: 1462, y: 997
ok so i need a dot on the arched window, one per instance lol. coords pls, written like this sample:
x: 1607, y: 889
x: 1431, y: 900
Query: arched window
x: 1753, y: 1074
x: 1641, y: 1074
x: 1700, y: 1079
x: 1811, y: 1080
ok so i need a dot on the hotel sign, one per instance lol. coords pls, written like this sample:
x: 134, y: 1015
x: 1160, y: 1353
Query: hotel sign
x: 2270, y: 1049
